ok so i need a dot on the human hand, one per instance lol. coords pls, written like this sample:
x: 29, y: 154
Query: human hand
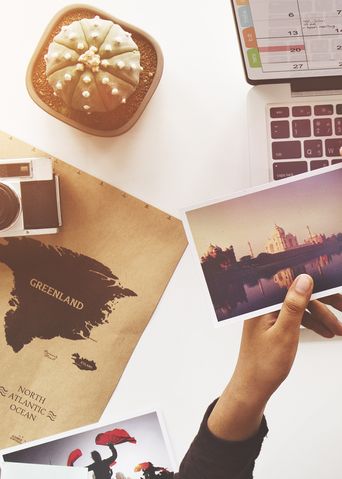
x: 269, y: 343
x: 268, y: 348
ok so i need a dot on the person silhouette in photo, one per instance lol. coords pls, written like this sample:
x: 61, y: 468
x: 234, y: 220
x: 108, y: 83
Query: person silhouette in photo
x: 102, y: 467
x: 149, y: 471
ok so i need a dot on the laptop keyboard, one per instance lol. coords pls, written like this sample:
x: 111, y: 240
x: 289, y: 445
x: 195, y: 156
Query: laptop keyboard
x: 304, y: 137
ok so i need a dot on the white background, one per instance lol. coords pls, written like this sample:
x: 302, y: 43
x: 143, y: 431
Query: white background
x: 190, y: 145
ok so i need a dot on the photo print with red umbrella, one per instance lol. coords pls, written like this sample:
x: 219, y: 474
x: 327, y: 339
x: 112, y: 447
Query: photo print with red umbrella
x: 133, y: 448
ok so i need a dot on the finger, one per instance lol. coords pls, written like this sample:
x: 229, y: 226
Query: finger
x: 295, y: 303
x: 323, y: 315
x: 335, y: 301
x: 310, y: 322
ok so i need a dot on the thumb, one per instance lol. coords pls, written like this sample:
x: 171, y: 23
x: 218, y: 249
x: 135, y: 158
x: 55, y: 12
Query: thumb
x: 295, y: 303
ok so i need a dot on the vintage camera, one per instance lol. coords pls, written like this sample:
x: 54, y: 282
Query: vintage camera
x: 29, y: 197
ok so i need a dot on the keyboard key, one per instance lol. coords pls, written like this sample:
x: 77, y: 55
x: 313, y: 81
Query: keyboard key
x: 280, y: 129
x: 301, y: 111
x: 334, y: 162
x: 301, y: 128
x: 322, y: 110
x: 322, y: 127
x: 286, y: 169
x: 332, y: 146
x: 339, y: 109
x: 314, y: 165
x: 338, y: 126
x: 280, y: 112
x: 313, y: 148
x: 286, y: 150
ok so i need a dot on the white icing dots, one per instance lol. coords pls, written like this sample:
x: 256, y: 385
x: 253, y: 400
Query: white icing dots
x: 94, y: 34
x: 67, y: 56
x: 80, y: 67
x: 115, y: 91
x: 108, y: 47
x: 67, y: 77
x: 86, y: 79
x: 105, y: 63
x: 105, y: 80
x: 123, y: 100
x: 120, y: 64
x: 80, y: 46
x: 59, y: 85
x: 85, y: 94
x: 86, y: 107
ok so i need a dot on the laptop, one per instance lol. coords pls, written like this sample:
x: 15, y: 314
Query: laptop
x: 292, y: 55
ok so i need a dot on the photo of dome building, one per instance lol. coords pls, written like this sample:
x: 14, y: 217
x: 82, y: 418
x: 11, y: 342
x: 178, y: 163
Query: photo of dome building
x: 280, y: 241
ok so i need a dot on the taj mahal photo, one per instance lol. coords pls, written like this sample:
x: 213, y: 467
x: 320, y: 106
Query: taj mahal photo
x: 252, y: 247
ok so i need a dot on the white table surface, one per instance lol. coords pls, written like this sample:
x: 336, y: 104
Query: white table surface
x: 189, y: 145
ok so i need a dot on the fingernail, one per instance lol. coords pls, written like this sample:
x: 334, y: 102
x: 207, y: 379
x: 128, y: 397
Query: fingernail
x: 303, y: 284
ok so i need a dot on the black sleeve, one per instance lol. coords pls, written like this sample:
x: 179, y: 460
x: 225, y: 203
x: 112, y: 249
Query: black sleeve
x: 212, y: 458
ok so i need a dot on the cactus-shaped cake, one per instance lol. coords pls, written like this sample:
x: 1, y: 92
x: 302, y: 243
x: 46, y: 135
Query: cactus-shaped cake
x: 93, y: 65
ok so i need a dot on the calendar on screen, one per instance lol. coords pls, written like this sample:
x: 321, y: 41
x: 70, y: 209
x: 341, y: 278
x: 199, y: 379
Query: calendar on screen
x: 290, y: 38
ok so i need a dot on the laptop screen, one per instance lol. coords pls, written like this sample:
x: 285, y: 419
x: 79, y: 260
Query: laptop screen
x: 287, y: 39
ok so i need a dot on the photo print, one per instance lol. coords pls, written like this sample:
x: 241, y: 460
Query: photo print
x: 133, y: 448
x: 251, y: 246
x: 12, y: 470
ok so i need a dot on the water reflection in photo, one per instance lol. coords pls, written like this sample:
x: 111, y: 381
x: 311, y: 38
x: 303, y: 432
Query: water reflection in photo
x: 233, y: 298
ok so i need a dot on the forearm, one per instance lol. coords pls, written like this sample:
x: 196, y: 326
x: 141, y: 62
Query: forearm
x: 114, y: 455
x: 238, y: 413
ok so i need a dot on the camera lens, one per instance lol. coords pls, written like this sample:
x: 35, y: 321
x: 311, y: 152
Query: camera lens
x: 9, y: 206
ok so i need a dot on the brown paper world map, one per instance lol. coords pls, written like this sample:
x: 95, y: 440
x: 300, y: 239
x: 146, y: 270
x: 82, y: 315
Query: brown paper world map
x: 74, y: 305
